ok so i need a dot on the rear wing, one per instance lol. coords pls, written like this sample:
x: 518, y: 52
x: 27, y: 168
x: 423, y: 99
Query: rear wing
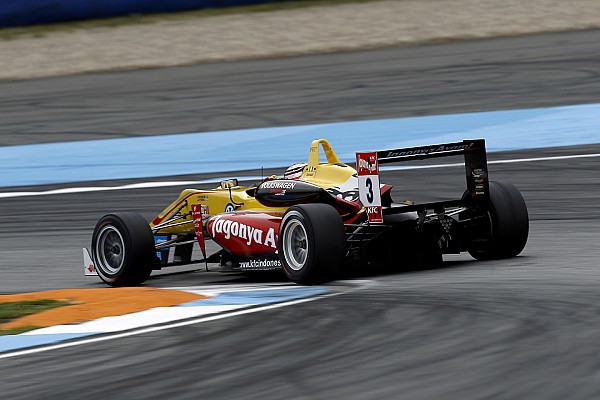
x: 476, y: 171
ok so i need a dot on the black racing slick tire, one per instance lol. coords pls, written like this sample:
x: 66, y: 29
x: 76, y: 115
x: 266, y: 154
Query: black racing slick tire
x: 312, y: 243
x: 123, y: 249
x: 508, y: 224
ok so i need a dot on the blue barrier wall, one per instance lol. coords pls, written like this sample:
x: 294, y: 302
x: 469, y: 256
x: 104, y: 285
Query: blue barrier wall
x: 28, y: 12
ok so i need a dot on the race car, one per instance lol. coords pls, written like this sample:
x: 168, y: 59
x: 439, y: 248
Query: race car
x: 315, y: 220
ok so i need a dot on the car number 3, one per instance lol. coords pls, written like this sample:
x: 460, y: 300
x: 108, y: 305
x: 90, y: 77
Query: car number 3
x: 369, y: 184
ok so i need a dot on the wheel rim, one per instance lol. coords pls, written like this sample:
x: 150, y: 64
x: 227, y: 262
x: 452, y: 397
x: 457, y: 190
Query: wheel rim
x: 295, y: 245
x: 110, y: 249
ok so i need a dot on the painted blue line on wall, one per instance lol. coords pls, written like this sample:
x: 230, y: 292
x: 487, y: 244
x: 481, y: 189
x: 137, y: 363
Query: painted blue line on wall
x: 26, y: 12
x: 235, y: 150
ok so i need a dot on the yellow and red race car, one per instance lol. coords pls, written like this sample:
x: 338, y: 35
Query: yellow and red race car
x: 319, y: 217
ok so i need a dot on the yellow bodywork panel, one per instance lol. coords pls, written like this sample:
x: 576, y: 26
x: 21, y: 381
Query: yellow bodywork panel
x: 212, y: 202
x: 328, y: 174
x: 177, y: 217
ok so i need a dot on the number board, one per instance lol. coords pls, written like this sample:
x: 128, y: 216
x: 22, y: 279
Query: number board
x: 368, y: 185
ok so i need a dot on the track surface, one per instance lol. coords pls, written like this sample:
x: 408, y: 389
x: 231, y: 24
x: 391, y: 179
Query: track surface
x: 520, y: 328
x: 520, y: 72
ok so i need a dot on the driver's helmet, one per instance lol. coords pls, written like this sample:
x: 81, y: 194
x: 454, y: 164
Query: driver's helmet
x: 294, y: 171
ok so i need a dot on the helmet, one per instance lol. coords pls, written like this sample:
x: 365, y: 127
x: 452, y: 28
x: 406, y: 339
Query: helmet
x: 294, y: 171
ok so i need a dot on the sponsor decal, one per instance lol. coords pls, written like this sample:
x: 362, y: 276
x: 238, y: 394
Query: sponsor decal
x: 229, y: 207
x: 88, y: 264
x: 205, y: 212
x: 368, y: 185
x: 374, y: 213
x: 250, y: 234
x: 161, y: 254
x: 427, y: 150
x: 278, y: 185
x: 479, y: 180
x: 279, y: 192
x: 198, y: 216
x: 260, y: 264
x: 477, y: 173
x: 367, y: 166
x: 202, y: 198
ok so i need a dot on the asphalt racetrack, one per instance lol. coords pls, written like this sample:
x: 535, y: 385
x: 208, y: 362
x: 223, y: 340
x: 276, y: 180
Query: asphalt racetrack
x: 520, y: 328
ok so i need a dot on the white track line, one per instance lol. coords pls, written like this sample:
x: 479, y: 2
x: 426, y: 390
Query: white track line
x: 169, y: 326
x: 145, y: 185
x: 141, y: 185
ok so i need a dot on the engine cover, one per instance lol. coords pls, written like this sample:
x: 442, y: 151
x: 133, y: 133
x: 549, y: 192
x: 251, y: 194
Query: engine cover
x: 286, y: 193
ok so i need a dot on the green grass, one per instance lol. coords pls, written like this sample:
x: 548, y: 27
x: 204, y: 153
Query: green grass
x: 13, y: 310
x: 16, y: 331
x: 41, y: 30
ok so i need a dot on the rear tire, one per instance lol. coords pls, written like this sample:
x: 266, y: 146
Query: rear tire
x: 508, y: 221
x: 123, y: 249
x: 312, y: 243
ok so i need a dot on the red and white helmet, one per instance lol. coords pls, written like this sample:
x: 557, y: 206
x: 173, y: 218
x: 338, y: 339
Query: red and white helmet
x: 294, y: 171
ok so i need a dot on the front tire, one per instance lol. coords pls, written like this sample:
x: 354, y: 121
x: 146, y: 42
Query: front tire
x: 312, y: 243
x: 123, y: 249
x: 508, y: 224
